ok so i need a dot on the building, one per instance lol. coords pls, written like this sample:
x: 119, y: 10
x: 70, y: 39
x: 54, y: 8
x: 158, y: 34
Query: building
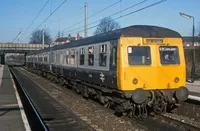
x: 187, y: 41
x: 64, y: 40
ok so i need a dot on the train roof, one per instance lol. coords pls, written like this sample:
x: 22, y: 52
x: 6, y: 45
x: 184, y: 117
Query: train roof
x: 146, y: 31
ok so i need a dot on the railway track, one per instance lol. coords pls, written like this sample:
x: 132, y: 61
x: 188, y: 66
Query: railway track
x: 102, y: 118
x: 50, y: 113
x: 191, y: 109
x: 182, y: 124
x: 92, y: 113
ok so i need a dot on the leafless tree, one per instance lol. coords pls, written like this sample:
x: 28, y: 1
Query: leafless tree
x: 36, y: 37
x: 107, y: 24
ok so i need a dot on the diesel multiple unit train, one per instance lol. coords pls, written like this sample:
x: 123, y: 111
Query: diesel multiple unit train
x: 135, y: 70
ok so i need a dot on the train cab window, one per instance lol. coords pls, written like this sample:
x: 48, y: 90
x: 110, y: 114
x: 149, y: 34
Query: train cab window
x: 91, y: 56
x: 82, y: 54
x: 139, y: 55
x: 169, y: 55
x: 102, y: 55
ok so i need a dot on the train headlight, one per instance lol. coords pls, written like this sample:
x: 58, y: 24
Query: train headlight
x: 176, y: 79
x: 135, y: 81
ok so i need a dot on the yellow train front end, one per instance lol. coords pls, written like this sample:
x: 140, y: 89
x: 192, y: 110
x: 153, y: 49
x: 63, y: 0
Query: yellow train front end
x: 152, y: 68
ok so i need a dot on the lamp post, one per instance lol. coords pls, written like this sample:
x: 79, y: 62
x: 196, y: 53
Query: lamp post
x: 193, y: 55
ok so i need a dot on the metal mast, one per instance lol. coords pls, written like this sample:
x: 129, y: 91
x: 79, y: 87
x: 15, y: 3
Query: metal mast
x: 43, y: 38
x: 86, y: 20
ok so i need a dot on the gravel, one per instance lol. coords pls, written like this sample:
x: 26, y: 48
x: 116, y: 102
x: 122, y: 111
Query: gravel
x: 183, y: 119
x: 99, y: 117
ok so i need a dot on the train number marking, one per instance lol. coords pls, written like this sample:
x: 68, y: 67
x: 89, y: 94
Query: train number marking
x: 102, y: 77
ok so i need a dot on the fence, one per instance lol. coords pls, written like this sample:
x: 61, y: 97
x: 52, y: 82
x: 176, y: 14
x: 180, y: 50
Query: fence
x: 188, y: 60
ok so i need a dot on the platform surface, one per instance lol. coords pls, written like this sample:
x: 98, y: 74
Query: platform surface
x: 194, y: 88
x: 12, y: 116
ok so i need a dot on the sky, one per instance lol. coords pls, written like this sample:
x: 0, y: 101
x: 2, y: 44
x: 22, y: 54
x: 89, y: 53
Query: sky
x: 17, y: 15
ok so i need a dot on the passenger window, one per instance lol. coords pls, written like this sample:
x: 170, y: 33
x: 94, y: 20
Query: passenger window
x: 67, y: 57
x: 54, y: 57
x: 57, y: 57
x: 73, y: 57
x: 50, y: 57
x: 61, y: 58
x: 36, y: 59
x: 91, y: 56
x: 45, y: 59
x: 40, y: 59
x: 102, y: 55
x: 82, y: 54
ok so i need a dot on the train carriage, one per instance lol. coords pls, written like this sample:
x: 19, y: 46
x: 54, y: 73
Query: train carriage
x: 131, y: 69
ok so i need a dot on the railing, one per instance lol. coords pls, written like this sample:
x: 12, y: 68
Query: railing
x: 12, y: 46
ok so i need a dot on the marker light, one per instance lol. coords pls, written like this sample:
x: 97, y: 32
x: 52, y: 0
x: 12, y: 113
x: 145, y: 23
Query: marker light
x: 176, y: 79
x: 135, y: 81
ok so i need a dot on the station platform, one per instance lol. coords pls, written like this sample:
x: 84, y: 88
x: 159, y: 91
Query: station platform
x: 12, y: 115
x: 194, y: 90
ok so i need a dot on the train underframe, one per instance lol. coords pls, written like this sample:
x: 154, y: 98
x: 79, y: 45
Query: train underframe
x: 138, y: 103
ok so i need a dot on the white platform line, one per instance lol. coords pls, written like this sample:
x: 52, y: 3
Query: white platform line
x: 24, y: 118
x: 194, y: 97
x: 1, y: 74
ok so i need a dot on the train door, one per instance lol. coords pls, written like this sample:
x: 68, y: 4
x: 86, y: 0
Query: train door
x: 51, y: 60
x: 76, y: 57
